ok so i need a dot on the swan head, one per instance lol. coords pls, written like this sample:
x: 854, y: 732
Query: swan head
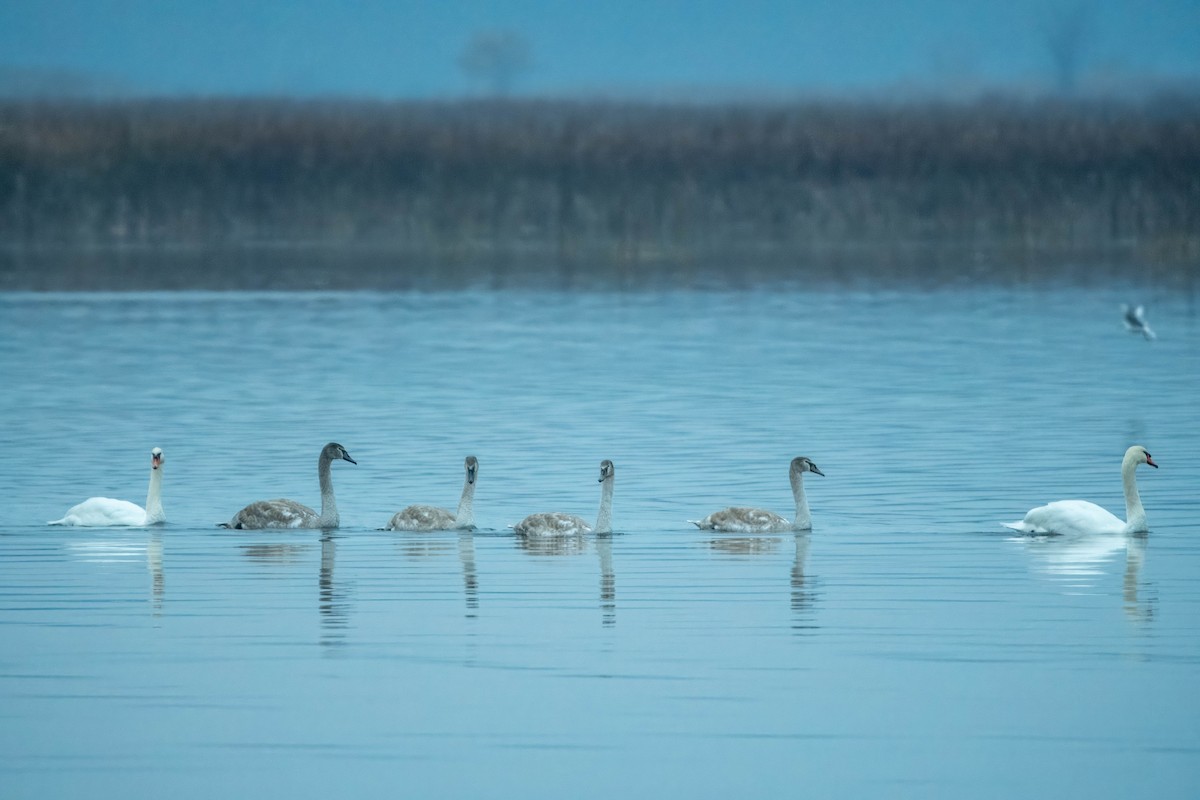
x: 1138, y: 455
x: 472, y: 466
x: 334, y: 451
x: 800, y: 464
x: 156, y: 458
x: 606, y: 470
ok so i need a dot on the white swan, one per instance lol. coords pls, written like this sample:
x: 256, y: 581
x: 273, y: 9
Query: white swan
x: 739, y: 519
x: 432, y: 518
x: 290, y: 514
x: 104, y: 512
x: 1080, y: 516
x: 557, y: 524
x: 1135, y: 321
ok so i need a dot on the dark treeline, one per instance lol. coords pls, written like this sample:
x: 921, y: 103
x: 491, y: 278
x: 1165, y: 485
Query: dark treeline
x: 587, y: 182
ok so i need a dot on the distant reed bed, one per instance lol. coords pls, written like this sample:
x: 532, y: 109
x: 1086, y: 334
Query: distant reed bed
x: 617, y: 186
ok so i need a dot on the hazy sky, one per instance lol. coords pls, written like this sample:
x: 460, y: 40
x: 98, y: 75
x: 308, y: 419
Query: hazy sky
x: 409, y: 48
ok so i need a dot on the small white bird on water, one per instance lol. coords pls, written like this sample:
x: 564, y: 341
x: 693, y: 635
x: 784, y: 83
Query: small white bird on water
x: 1135, y: 321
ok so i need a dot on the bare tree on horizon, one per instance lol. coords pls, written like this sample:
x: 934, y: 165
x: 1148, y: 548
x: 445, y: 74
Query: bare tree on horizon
x: 496, y: 57
x: 1066, y: 34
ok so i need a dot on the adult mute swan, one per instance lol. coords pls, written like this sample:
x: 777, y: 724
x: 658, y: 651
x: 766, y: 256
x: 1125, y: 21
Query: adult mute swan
x: 104, y: 512
x: 757, y: 520
x: 432, y: 518
x: 290, y: 514
x: 557, y: 524
x: 1080, y: 516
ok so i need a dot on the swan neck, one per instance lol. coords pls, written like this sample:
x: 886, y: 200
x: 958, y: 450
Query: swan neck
x: 604, y: 517
x: 465, y: 516
x: 154, y: 507
x: 1135, y: 515
x: 803, y: 515
x: 329, y: 511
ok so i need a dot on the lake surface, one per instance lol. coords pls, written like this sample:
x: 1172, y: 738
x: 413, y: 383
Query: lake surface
x: 907, y: 647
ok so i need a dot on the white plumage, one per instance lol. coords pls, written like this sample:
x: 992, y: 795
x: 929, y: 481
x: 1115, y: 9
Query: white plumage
x: 1082, y: 517
x: 105, y: 512
x: 1134, y: 318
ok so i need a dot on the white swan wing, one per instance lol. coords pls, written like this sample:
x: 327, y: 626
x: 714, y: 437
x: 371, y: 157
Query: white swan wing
x: 552, y: 524
x: 103, y: 512
x: 1068, y: 516
x: 280, y: 513
x: 744, y: 520
x: 422, y: 518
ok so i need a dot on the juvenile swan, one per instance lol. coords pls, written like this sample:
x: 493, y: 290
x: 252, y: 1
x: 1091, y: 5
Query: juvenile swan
x: 103, y: 512
x: 289, y: 513
x: 1080, y: 516
x: 757, y: 520
x: 558, y: 524
x: 432, y: 518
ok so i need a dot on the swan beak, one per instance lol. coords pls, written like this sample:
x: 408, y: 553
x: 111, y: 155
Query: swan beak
x: 1150, y: 461
x: 813, y: 468
x: 346, y: 457
x: 470, y: 476
x: 155, y: 462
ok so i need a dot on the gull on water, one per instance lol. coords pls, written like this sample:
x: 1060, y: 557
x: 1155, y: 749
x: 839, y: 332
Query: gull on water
x: 1135, y: 321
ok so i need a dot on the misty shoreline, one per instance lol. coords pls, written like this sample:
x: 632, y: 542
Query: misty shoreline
x: 307, y: 267
x: 337, y: 194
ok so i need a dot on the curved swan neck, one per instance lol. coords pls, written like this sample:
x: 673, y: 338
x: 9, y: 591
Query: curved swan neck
x: 154, y: 507
x: 803, y: 515
x: 329, y: 511
x: 604, y: 517
x: 466, y: 505
x: 1135, y: 515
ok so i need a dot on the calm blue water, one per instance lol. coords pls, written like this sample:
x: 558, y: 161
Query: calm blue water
x: 907, y: 647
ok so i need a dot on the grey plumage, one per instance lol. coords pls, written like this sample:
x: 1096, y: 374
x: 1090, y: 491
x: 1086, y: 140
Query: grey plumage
x: 282, y: 513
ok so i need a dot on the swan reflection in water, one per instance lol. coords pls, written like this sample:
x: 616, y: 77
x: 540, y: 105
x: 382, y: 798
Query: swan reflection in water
x: 577, y: 545
x: 332, y: 601
x: 154, y: 565
x: 552, y: 545
x: 423, y: 546
x: 275, y: 553
x: 803, y: 595
x: 128, y: 551
x: 1141, y: 610
x: 1079, y: 564
x: 466, y: 556
x: 608, y: 580
x: 745, y: 545
x: 436, y: 545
